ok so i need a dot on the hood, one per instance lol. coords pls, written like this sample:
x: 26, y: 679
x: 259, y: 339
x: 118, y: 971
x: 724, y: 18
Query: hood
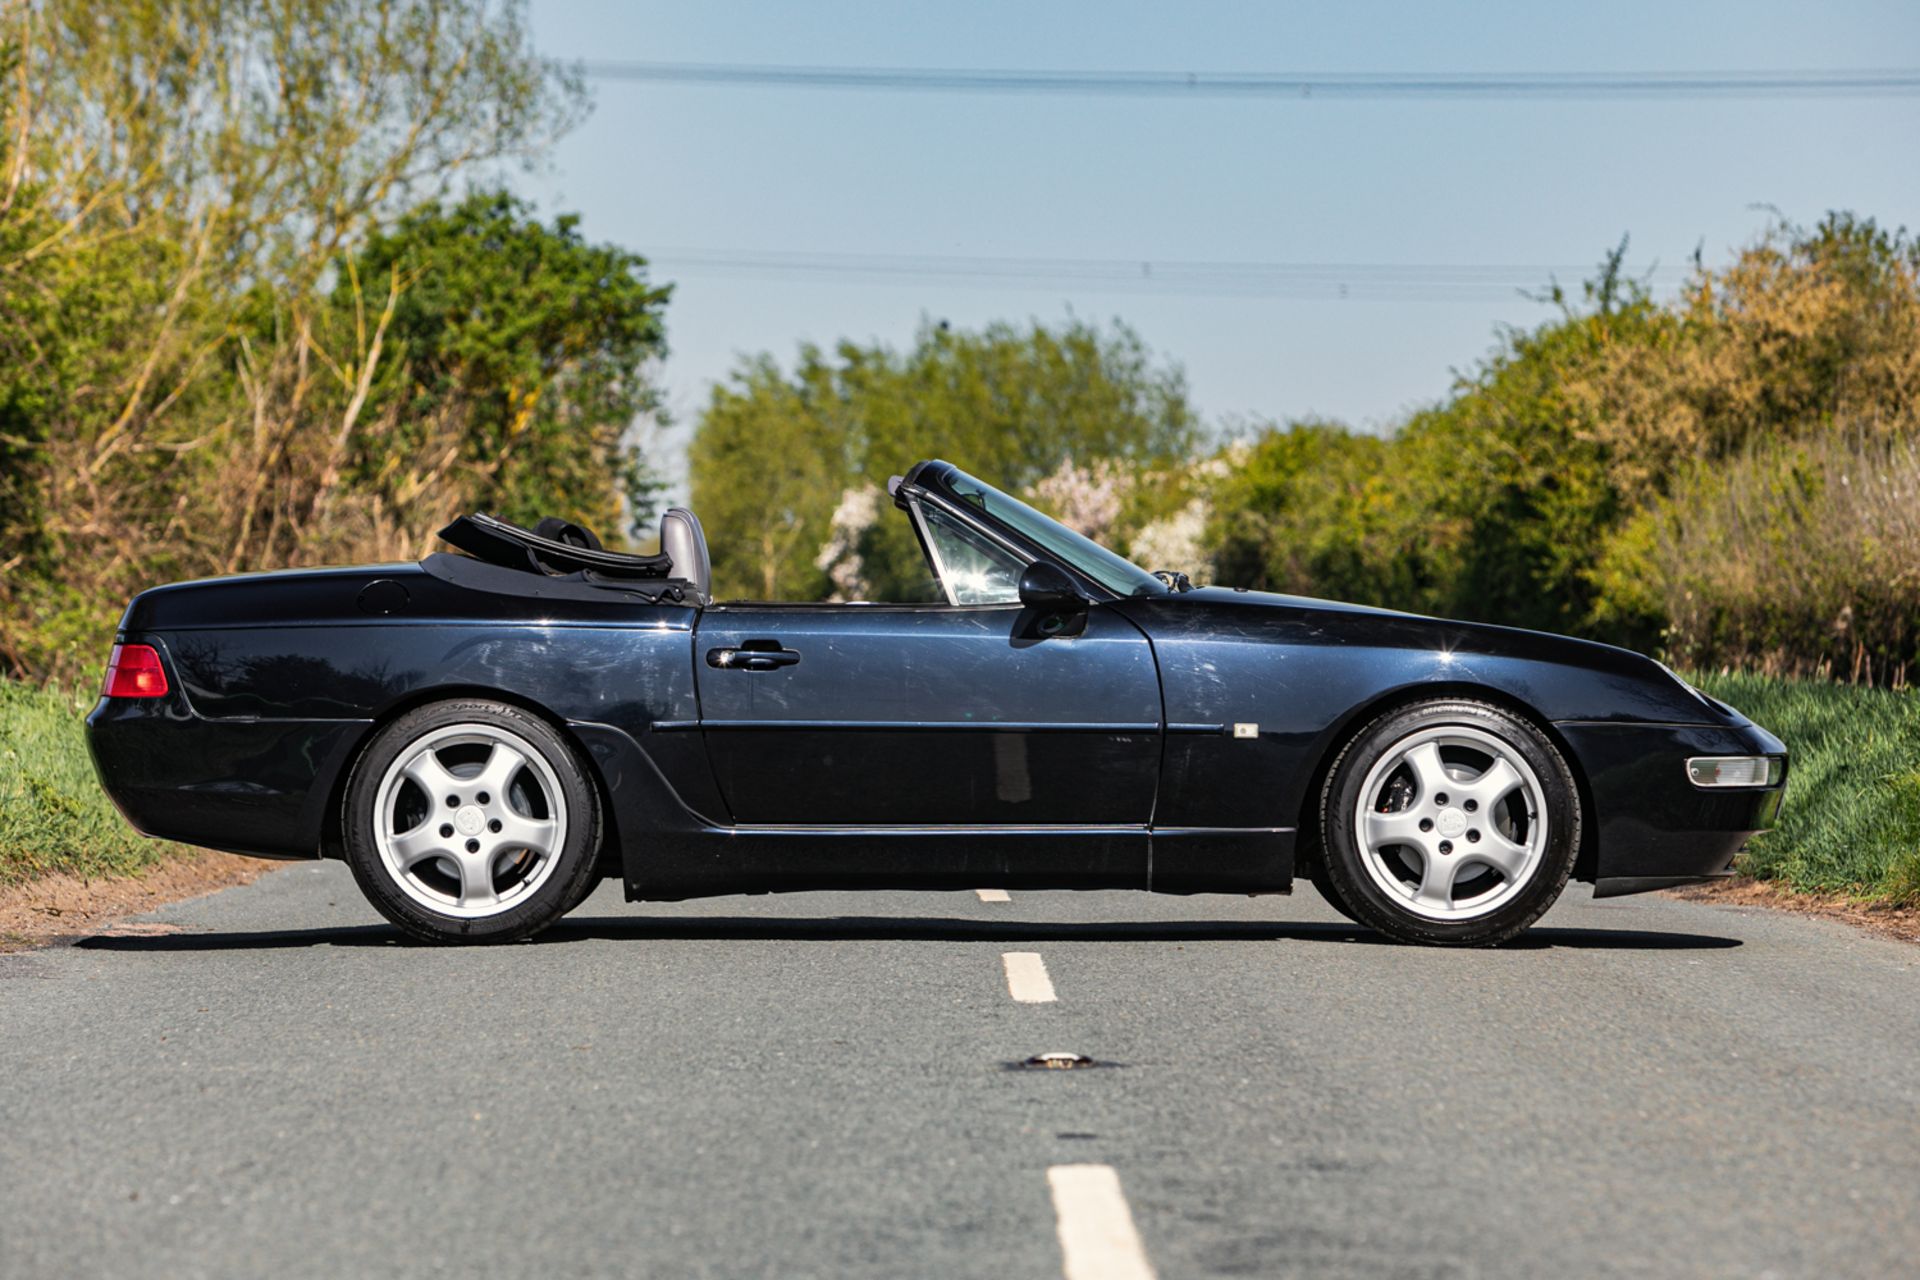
x: 1335, y: 622
x: 1398, y: 626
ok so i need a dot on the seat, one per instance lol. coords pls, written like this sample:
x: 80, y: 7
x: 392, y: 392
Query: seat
x: 684, y: 542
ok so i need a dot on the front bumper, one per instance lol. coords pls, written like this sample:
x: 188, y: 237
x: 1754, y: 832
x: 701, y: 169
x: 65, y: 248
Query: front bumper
x: 1654, y: 829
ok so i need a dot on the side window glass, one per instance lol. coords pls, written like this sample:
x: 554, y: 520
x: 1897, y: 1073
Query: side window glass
x: 974, y: 569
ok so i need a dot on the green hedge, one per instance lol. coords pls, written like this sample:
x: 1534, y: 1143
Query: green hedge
x: 1851, y: 823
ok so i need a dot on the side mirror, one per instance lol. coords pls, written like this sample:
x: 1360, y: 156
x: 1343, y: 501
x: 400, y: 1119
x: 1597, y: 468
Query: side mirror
x: 1045, y: 585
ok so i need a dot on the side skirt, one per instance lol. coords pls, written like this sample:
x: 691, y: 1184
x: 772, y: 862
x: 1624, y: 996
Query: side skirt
x: 753, y: 859
x: 1222, y: 860
x: 668, y: 852
x: 766, y: 859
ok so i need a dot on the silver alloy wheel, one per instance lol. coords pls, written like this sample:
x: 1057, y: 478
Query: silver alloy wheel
x: 470, y: 820
x: 1450, y: 823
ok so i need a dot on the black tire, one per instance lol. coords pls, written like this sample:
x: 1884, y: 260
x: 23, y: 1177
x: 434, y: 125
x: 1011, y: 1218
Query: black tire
x: 1317, y: 876
x: 593, y: 881
x: 1513, y: 904
x: 559, y: 889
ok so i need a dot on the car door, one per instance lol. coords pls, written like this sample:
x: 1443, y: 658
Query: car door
x: 967, y: 713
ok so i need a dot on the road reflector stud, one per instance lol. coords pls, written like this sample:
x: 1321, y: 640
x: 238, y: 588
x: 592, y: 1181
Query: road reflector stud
x: 1059, y: 1061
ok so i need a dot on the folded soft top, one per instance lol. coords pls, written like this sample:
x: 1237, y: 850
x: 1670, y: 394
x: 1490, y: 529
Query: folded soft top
x: 508, y: 545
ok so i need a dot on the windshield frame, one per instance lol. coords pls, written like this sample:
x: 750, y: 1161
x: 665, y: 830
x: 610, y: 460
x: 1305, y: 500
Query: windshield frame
x: 1110, y: 572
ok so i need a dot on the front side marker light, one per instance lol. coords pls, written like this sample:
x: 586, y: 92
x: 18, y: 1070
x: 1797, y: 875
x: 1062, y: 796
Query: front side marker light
x: 1734, y: 771
x: 134, y: 671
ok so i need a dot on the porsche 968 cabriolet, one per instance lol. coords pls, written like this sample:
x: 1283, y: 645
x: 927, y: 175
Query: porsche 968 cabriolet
x: 484, y: 735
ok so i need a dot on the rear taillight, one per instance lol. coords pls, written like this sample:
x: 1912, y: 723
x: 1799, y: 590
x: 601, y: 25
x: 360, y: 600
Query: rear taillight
x: 134, y: 671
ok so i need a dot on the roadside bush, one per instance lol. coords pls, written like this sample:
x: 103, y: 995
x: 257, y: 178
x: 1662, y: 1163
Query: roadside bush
x: 1729, y: 476
x: 1800, y: 558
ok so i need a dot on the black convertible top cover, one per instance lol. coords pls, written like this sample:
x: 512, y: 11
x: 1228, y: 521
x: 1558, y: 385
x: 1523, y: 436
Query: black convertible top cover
x: 508, y: 545
x: 593, y: 588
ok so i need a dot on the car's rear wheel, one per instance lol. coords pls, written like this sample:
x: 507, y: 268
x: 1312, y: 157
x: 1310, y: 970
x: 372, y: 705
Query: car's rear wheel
x: 471, y: 821
x: 1449, y: 822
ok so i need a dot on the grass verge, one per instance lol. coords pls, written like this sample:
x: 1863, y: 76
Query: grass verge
x: 53, y: 815
x: 1851, y: 822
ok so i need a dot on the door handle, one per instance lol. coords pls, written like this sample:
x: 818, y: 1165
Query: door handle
x: 751, y: 659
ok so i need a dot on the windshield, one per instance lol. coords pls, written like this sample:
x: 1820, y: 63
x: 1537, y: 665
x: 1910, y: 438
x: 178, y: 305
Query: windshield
x: 1115, y: 573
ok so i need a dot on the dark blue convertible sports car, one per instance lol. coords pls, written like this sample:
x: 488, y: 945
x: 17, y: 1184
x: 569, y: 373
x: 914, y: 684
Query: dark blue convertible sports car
x: 483, y: 737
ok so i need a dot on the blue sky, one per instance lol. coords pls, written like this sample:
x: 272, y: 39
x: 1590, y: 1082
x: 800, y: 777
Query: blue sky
x: 1395, y: 181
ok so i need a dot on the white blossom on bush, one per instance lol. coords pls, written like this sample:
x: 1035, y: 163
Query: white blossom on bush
x: 1085, y: 499
x: 1178, y: 542
x: 840, y: 558
x: 1224, y: 463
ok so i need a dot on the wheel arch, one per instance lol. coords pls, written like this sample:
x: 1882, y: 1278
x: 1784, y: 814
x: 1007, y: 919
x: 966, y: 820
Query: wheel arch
x: 1307, y: 818
x: 333, y: 830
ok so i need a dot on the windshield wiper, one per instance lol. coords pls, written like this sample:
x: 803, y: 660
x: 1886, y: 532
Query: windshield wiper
x: 1175, y: 580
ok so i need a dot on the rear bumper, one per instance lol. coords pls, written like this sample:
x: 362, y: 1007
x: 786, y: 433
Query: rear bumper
x: 257, y: 787
x: 1653, y: 828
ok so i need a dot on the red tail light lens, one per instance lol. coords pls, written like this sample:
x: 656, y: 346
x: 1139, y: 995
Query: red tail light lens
x: 134, y: 671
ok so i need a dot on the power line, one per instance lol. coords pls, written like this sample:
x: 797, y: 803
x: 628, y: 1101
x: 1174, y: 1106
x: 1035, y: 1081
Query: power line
x: 1878, y: 82
x: 1359, y: 281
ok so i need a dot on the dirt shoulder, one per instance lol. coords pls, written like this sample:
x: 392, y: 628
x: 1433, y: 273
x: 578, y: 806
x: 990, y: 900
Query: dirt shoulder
x: 63, y: 906
x: 1899, y: 923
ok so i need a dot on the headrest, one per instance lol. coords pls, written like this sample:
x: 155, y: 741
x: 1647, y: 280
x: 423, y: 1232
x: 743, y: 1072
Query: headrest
x: 683, y: 541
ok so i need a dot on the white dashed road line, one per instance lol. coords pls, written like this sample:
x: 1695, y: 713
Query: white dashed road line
x: 1027, y: 978
x: 1098, y: 1240
x: 993, y: 895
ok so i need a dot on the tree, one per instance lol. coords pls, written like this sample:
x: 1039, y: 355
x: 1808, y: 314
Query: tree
x: 1313, y: 509
x: 1511, y: 468
x: 180, y: 183
x: 775, y: 454
x: 519, y: 351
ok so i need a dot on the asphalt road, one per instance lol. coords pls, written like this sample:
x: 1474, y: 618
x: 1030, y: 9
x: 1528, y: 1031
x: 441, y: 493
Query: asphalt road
x: 818, y: 1085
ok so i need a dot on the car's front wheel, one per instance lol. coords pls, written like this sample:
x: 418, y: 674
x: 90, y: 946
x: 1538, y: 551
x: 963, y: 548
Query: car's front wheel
x: 471, y: 821
x: 1449, y: 822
